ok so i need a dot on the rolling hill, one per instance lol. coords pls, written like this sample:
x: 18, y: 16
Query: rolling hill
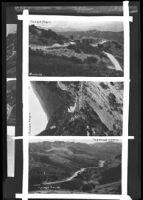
x: 56, y: 161
x: 74, y: 53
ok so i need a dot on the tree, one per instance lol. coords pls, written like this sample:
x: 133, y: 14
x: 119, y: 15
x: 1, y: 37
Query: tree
x: 71, y: 37
x: 36, y: 176
x: 87, y: 187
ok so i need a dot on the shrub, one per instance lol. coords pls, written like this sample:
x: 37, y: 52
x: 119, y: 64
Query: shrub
x: 36, y: 176
x: 104, y: 86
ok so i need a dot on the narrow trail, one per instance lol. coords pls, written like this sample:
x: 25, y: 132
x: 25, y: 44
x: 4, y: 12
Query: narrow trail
x: 114, y: 61
x: 70, y: 178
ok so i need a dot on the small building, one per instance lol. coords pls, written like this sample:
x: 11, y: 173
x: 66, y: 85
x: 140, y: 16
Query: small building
x: 101, y: 163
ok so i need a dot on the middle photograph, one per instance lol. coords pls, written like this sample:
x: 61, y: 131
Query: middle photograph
x: 74, y: 108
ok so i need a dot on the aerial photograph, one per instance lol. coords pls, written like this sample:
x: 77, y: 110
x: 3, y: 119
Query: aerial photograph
x: 11, y: 42
x: 79, y: 108
x: 76, y: 48
x: 75, y: 166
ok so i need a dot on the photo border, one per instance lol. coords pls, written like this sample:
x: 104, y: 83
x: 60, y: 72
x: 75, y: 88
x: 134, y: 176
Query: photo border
x: 126, y: 80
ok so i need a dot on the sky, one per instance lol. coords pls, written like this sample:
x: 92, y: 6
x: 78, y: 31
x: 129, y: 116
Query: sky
x: 11, y: 28
x: 38, y: 120
x: 78, y: 25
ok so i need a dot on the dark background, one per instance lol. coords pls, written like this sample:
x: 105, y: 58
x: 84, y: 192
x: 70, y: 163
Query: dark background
x: 14, y: 185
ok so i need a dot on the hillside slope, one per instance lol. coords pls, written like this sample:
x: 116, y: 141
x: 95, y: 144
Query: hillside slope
x: 81, y: 108
x: 74, y: 53
x: 53, y: 163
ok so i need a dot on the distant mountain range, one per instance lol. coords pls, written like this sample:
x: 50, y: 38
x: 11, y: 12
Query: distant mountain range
x: 109, y: 35
x: 97, y: 151
x: 64, y: 36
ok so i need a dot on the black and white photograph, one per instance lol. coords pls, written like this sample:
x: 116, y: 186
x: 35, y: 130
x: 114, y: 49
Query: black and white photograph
x: 11, y: 102
x: 80, y: 108
x: 75, y: 166
x: 11, y: 43
x: 71, y: 100
x: 100, y: 10
x: 94, y: 10
x: 76, y: 48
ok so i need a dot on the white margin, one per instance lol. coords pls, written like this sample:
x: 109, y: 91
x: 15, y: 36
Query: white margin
x: 74, y: 18
x: 124, y: 176
x: 73, y: 137
x: 95, y: 79
x: 75, y: 196
x: 25, y: 66
x: 10, y: 79
x: 126, y: 79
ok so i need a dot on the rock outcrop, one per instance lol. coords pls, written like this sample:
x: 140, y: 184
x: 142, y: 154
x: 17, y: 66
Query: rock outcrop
x: 81, y: 108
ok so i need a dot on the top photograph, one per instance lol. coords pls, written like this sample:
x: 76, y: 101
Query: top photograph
x: 73, y: 47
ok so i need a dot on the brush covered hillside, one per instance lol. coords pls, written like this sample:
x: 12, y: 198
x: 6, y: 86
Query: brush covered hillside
x: 11, y: 103
x: 95, y: 34
x: 74, y: 167
x: 11, y: 42
x: 81, y: 108
x: 90, y: 53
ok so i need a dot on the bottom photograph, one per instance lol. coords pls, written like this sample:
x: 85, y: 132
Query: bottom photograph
x: 75, y: 166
